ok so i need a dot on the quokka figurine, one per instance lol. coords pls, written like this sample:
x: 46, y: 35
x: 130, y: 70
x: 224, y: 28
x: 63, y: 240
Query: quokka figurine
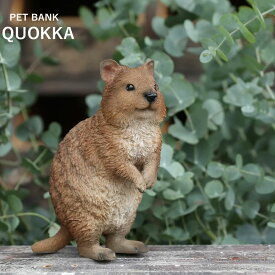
x: 105, y: 163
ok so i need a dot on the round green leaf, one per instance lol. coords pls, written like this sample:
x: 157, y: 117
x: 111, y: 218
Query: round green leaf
x: 4, y: 149
x: 11, y: 53
x: 159, y: 27
x: 176, y: 209
x: 14, y: 222
x: 32, y: 126
x: 14, y: 80
x: 229, y: 239
x: 185, y: 183
x: 229, y: 199
x: 150, y: 192
x: 213, y: 189
x: 161, y: 185
x: 164, y: 65
x: 215, y: 111
x: 272, y: 209
x: 231, y: 173
x: 188, y: 5
x: 55, y: 128
x: 93, y: 103
x: 252, y: 173
x: 182, y: 93
x: 128, y: 46
x: 53, y: 229
x: 237, y: 95
x: 50, y: 140
x: 146, y: 202
x: 3, y: 227
x: 251, y: 208
x: 271, y: 224
x: 15, y: 203
x: 266, y: 186
x: 177, y: 130
x: 248, y: 234
x: 170, y: 194
x: 190, y: 30
x: 239, y: 161
x: 176, y: 41
x: 87, y: 17
x: 175, y: 169
x: 215, y: 169
x: 177, y: 233
x: 206, y: 56
x: 166, y: 156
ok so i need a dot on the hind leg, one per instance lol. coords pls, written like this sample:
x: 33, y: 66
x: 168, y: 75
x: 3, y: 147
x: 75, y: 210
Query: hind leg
x: 87, y: 239
x: 119, y: 244
x: 96, y: 252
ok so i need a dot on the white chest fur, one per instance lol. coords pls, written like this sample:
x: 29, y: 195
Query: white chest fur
x: 140, y: 139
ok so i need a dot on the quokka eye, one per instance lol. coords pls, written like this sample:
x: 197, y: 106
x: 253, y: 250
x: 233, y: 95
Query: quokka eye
x: 130, y: 87
x: 156, y: 87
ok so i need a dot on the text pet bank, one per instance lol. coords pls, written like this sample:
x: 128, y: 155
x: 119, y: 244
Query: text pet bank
x: 34, y: 32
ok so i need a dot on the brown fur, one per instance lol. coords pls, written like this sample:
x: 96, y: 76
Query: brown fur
x: 105, y: 163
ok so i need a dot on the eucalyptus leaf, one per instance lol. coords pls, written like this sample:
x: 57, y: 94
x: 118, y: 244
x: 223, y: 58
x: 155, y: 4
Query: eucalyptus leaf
x: 170, y: 194
x: 213, y: 189
x: 215, y: 169
x: 3, y: 227
x: 177, y: 130
x: 158, y: 25
x: 15, y: 203
x: 175, y: 41
x: 5, y: 149
x: 251, y: 208
x: 206, y: 56
x: 229, y: 199
x: 146, y: 202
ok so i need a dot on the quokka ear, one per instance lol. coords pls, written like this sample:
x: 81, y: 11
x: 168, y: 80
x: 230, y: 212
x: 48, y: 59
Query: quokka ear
x: 108, y: 69
x: 150, y: 65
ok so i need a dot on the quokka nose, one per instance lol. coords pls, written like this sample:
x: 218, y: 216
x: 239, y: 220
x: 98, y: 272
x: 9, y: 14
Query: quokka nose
x: 150, y: 97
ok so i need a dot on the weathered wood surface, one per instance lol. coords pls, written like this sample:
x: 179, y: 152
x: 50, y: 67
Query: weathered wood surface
x: 160, y: 260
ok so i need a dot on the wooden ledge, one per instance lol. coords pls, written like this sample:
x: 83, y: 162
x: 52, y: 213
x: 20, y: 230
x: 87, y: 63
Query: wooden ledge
x: 159, y: 260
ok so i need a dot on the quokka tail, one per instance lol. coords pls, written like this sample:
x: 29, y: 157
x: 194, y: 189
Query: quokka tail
x: 53, y: 244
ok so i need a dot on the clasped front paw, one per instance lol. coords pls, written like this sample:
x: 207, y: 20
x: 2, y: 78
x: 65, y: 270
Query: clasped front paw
x: 141, y: 187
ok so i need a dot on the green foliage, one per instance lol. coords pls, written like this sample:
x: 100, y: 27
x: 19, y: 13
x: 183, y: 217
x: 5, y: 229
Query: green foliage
x: 17, y: 223
x: 216, y: 181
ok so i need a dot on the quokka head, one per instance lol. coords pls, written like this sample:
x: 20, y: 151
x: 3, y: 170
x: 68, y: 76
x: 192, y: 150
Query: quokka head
x: 130, y: 94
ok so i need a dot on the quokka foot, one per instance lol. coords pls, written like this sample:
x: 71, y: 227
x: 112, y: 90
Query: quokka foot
x: 97, y: 253
x: 121, y: 245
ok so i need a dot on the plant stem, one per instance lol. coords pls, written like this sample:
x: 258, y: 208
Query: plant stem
x: 210, y: 234
x: 245, y: 24
x: 27, y: 214
x: 204, y: 194
x: 122, y: 28
x: 255, y: 174
x: 41, y: 155
x: 38, y: 60
x: 33, y: 139
x: 190, y: 120
x: 267, y: 87
x: 9, y: 162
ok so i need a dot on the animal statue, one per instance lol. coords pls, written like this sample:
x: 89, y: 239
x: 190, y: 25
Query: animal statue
x: 105, y: 163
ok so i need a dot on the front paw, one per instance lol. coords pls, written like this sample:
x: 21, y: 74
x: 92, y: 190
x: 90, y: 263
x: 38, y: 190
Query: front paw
x: 141, y: 187
x: 150, y: 180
